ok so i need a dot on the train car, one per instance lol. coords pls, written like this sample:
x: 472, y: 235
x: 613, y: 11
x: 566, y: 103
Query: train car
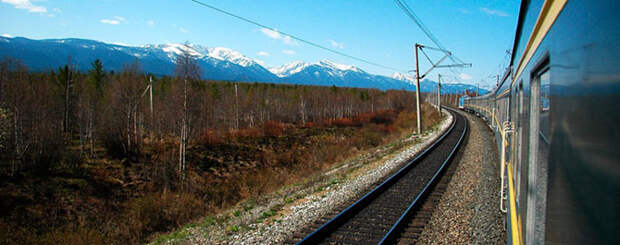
x: 555, y: 118
x: 461, y: 105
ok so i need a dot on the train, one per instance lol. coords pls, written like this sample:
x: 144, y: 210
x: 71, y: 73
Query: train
x: 555, y: 116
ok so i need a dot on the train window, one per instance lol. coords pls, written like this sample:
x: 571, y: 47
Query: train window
x: 537, y: 168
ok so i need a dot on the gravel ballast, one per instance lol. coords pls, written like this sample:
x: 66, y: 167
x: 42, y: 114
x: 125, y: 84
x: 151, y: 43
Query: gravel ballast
x: 288, y: 211
x: 468, y: 212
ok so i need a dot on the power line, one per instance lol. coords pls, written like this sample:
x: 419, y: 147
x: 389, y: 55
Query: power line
x: 405, y: 7
x: 295, y: 37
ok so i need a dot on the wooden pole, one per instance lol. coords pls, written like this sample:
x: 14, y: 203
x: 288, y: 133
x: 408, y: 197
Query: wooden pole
x: 151, y: 99
x: 417, y: 90
x: 439, y: 93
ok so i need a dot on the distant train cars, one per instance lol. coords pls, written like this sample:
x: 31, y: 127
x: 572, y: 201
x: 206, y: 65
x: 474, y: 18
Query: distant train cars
x: 555, y: 116
x: 461, y: 105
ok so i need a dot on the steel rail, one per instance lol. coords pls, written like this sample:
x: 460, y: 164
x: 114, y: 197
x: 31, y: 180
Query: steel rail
x: 324, y: 230
x: 392, y: 235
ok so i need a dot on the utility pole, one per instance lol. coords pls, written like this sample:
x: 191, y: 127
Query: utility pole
x: 434, y: 65
x: 417, y: 90
x: 439, y: 93
x: 151, y: 98
x: 497, y: 82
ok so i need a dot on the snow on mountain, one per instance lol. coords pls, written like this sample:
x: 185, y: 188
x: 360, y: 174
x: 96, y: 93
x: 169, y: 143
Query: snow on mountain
x: 328, y: 66
x: 201, y: 52
x: 177, y: 49
x: 230, y: 55
x: 289, y: 69
x: 404, y: 77
x: 216, y: 63
x: 335, y: 66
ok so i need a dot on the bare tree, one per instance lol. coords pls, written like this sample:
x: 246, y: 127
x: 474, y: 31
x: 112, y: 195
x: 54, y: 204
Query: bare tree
x: 187, y: 70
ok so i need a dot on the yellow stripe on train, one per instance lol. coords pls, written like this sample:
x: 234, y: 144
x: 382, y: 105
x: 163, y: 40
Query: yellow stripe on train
x: 515, y: 221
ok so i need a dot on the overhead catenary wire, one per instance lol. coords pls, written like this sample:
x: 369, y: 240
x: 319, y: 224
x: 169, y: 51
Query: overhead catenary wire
x: 407, y: 10
x: 296, y: 38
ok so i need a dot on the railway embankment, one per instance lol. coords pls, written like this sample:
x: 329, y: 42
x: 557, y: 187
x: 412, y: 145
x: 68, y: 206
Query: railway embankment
x: 292, y: 210
x: 468, y: 211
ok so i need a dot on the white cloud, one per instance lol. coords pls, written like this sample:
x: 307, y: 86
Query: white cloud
x: 57, y: 10
x: 111, y: 22
x: 262, y: 53
x: 289, y: 52
x: 336, y: 44
x: 114, y: 21
x: 7, y: 35
x: 271, y: 33
x: 276, y: 35
x: 494, y: 12
x: 27, y: 5
x: 150, y: 22
x: 183, y: 30
x: 465, y: 76
x: 465, y: 11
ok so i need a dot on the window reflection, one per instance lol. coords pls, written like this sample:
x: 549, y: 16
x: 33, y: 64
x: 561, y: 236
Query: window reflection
x: 545, y: 88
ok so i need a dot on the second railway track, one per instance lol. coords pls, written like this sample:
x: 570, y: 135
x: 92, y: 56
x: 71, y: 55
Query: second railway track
x: 381, y: 216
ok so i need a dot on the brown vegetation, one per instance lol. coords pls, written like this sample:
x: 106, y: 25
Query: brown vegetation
x: 84, y: 159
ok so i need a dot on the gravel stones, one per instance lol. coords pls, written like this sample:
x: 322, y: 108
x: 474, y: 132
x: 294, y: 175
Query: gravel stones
x: 314, y: 202
x: 468, y: 212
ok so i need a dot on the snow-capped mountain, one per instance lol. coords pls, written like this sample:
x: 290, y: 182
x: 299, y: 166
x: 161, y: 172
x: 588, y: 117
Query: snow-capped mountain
x: 404, y: 77
x: 289, y: 69
x: 327, y: 73
x: 217, y: 63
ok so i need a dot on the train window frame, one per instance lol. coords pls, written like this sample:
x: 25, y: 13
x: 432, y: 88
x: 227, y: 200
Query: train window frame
x: 537, y: 171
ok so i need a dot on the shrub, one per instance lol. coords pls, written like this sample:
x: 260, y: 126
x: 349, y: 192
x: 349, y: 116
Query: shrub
x: 212, y: 137
x: 273, y: 128
x: 160, y: 212
x: 246, y: 132
x: 344, y: 122
x: 384, y: 117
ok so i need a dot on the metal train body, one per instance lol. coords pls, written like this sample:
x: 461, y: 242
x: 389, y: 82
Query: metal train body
x: 555, y: 116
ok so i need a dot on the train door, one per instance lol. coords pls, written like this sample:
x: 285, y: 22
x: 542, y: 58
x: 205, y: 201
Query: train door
x: 537, y: 156
x: 523, y: 148
x: 517, y: 141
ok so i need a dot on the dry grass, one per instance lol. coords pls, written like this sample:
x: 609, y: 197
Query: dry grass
x: 125, y: 202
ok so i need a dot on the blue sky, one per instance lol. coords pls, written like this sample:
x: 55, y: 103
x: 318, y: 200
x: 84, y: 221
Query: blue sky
x: 478, y: 32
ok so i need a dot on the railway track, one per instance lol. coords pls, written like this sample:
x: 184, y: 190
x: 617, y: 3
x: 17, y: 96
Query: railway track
x: 396, y: 210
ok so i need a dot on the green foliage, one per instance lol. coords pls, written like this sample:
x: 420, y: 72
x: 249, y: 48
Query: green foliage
x: 5, y: 124
x: 364, y: 95
x: 215, y: 92
x: 96, y: 75
x: 268, y: 214
x: 207, y: 221
x: 233, y: 228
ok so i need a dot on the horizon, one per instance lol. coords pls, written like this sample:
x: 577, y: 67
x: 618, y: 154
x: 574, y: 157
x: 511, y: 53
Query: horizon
x: 200, y: 54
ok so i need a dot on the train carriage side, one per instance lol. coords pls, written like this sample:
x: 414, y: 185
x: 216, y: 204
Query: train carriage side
x: 564, y: 184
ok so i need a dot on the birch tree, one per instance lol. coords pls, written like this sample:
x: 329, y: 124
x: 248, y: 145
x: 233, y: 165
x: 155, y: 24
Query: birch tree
x: 186, y: 70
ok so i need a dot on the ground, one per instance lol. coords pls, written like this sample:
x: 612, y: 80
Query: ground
x: 280, y: 215
x: 468, y: 212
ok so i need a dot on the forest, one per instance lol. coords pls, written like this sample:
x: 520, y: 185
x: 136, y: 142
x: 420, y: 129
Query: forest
x: 117, y: 156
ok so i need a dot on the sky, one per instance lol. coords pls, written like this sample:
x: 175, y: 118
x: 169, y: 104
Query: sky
x: 477, y: 32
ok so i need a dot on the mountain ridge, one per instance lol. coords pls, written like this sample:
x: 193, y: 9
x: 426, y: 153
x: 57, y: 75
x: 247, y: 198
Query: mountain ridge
x: 217, y: 63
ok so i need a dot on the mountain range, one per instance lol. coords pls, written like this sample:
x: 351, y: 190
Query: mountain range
x: 216, y: 63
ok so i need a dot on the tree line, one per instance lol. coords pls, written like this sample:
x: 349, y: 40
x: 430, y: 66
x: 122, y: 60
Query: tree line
x: 43, y: 115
